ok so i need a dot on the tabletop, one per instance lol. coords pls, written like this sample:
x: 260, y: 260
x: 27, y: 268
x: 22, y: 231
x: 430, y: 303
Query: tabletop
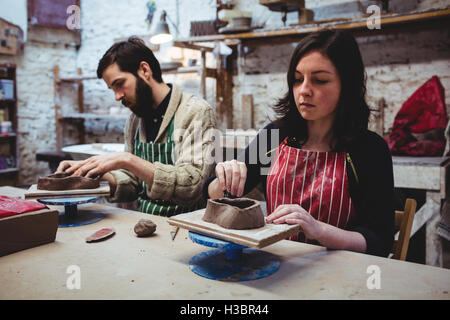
x: 129, y: 267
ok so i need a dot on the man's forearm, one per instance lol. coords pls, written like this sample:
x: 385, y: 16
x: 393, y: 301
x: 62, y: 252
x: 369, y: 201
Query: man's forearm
x: 141, y: 168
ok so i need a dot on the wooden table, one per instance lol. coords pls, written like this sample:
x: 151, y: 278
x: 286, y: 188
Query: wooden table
x: 128, y: 267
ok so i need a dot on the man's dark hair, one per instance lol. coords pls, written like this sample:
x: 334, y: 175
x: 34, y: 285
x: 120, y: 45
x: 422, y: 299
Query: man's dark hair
x: 352, y: 113
x: 128, y: 56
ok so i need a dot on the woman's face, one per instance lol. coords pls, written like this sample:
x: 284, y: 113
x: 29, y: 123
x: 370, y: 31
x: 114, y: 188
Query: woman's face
x: 317, y: 87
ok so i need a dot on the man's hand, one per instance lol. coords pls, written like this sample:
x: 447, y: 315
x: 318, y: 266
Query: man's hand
x: 67, y: 164
x: 95, y: 166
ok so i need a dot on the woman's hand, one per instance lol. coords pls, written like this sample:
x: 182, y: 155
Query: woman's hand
x: 231, y: 176
x: 295, y: 214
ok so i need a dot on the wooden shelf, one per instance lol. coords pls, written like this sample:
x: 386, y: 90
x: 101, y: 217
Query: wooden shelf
x: 387, y: 22
x: 9, y: 170
x: 93, y: 116
x: 77, y: 79
x: 6, y: 136
x: 210, y: 72
x: 10, y: 140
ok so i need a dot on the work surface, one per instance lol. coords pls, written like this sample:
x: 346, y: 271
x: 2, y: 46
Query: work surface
x: 128, y: 267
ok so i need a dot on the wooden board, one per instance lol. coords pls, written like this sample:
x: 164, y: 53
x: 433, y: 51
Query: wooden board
x: 34, y: 193
x: 253, y: 238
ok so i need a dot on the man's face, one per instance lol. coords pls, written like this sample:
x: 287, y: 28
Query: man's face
x: 132, y: 91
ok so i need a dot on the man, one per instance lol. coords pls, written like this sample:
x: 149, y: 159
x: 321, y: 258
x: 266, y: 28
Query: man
x: 168, y: 136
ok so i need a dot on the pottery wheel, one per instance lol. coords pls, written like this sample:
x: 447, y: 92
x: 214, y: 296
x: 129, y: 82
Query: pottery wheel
x: 71, y: 217
x: 230, y: 261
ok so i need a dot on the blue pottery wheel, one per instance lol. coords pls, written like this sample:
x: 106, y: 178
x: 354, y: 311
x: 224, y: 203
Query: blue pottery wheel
x: 231, y: 262
x: 71, y: 217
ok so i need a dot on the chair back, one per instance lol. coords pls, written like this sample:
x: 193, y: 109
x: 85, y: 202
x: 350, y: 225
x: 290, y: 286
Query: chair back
x: 403, y: 223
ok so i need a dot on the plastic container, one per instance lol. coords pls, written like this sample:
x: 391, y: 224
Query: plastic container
x: 5, y: 127
x: 6, y: 89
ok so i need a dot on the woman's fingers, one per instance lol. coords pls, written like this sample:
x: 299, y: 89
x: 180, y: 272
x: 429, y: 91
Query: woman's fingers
x: 243, y: 179
x: 220, y: 174
x: 228, y: 167
x: 236, y: 177
x: 282, y: 210
x: 232, y: 176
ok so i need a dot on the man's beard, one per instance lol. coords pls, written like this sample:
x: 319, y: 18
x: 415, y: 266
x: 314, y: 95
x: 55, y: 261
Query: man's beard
x: 144, y: 99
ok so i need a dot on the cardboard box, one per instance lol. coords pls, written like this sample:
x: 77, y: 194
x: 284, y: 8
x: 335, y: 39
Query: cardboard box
x: 27, y: 230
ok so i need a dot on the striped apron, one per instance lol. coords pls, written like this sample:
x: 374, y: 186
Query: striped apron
x: 163, y: 153
x: 317, y: 181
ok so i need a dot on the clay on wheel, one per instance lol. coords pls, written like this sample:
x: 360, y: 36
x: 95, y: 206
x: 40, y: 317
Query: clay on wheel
x: 239, y: 213
x: 64, y: 181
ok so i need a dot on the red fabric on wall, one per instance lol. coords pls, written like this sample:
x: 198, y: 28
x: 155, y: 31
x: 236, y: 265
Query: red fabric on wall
x: 423, y: 114
x: 12, y: 206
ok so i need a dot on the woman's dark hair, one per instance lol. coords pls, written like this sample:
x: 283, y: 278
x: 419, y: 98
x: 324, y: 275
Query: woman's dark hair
x: 128, y: 56
x: 352, y: 112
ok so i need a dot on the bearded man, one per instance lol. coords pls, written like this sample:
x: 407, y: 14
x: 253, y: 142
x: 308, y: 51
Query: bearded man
x: 168, y: 136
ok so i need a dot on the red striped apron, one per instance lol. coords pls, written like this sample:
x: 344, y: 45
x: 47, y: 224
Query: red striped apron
x: 315, y: 180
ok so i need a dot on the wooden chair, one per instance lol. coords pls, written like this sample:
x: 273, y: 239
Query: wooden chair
x: 403, y: 224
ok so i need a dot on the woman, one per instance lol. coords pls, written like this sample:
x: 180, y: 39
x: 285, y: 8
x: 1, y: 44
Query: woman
x: 327, y: 172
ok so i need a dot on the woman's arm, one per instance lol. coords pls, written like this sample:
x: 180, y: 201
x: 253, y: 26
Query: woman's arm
x: 327, y: 235
x: 255, y: 159
x: 373, y: 197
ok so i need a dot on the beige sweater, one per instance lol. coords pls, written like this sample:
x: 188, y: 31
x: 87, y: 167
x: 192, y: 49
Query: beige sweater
x: 193, y: 159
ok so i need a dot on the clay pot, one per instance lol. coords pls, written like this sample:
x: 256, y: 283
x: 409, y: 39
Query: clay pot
x: 64, y: 181
x: 239, y: 213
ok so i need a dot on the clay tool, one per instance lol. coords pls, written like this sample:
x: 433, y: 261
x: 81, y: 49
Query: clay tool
x: 174, y: 232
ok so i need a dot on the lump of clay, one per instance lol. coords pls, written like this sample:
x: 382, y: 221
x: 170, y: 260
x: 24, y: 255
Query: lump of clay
x: 144, y: 228
x: 64, y: 181
x: 239, y: 213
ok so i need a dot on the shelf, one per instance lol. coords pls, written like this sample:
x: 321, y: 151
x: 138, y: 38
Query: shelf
x: 210, y: 72
x: 77, y: 79
x: 9, y: 170
x: 93, y: 116
x: 10, y: 175
x: 387, y: 22
x: 6, y: 136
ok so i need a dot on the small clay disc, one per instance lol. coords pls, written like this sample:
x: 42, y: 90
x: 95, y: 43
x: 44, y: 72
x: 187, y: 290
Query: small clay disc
x: 144, y: 228
x: 101, y: 234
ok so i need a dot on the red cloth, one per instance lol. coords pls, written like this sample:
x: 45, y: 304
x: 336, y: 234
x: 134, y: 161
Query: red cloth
x: 317, y: 181
x: 13, y: 206
x: 424, y: 111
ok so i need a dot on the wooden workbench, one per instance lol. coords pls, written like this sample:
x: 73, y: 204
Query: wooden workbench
x: 128, y: 267
x: 429, y: 174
